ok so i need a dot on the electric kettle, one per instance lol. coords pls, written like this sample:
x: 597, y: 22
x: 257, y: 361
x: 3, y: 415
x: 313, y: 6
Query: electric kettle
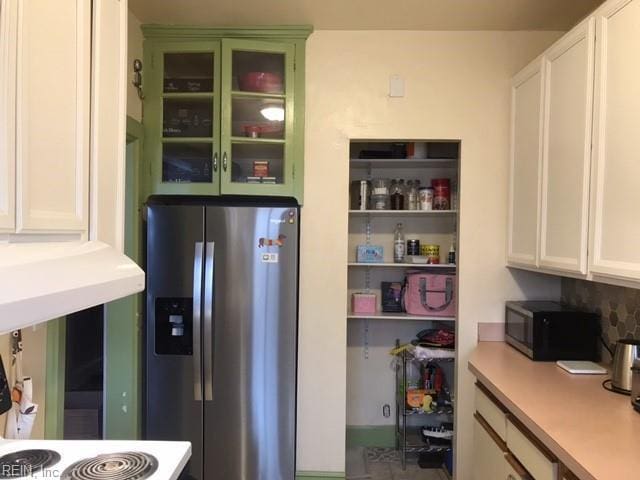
x: 627, y: 351
x: 635, y: 385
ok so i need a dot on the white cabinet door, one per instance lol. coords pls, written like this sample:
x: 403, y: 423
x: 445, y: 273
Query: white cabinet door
x: 108, y: 121
x: 566, y: 160
x: 615, y: 198
x: 524, y: 183
x: 489, y: 462
x: 8, y: 22
x: 52, y: 146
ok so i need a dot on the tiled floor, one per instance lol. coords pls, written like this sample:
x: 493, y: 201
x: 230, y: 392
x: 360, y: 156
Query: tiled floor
x: 361, y: 468
x: 392, y: 471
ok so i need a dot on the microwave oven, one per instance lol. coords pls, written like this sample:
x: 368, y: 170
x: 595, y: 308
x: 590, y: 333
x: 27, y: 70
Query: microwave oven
x: 549, y: 331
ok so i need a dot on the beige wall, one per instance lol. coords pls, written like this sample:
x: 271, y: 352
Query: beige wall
x: 457, y: 87
x: 34, y: 341
x: 134, y: 105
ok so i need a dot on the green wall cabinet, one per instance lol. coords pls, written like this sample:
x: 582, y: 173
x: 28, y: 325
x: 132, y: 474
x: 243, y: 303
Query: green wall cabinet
x: 224, y: 110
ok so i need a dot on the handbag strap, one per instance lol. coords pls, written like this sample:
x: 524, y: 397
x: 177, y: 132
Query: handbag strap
x: 448, y: 294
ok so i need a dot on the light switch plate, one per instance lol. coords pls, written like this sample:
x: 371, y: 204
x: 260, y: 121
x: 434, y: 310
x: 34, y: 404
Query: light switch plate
x: 396, y: 86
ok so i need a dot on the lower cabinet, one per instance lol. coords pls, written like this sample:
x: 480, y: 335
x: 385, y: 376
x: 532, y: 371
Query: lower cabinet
x: 492, y: 460
x: 515, y: 454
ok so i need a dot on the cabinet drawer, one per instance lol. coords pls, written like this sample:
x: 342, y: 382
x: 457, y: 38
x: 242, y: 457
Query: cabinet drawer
x: 495, y: 415
x: 513, y: 469
x: 539, y: 463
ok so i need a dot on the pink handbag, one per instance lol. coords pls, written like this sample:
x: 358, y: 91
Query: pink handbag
x: 431, y: 294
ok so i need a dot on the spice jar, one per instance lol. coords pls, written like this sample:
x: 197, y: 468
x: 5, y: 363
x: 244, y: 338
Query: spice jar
x: 379, y: 194
x: 425, y: 198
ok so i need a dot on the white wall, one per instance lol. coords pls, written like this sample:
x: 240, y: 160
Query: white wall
x: 457, y: 87
x: 134, y: 104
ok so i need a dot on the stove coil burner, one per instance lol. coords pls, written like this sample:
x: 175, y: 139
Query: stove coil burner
x: 25, y: 463
x: 113, y: 466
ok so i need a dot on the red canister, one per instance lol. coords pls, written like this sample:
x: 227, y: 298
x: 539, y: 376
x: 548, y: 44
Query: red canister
x: 441, y: 193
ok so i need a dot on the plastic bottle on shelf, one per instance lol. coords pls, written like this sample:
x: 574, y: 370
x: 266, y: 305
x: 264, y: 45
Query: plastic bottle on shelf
x: 398, y: 244
x: 412, y: 195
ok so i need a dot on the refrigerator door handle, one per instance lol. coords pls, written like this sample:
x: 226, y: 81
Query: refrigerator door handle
x: 209, y: 308
x: 197, y: 308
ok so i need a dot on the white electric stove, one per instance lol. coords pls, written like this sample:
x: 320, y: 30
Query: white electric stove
x: 93, y: 460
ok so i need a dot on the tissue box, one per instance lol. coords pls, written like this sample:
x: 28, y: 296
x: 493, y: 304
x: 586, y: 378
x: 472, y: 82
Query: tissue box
x: 369, y: 254
x: 363, y: 303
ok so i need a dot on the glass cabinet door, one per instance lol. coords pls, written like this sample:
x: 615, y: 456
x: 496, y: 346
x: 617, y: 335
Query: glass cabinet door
x: 257, y: 117
x: 188, y: 93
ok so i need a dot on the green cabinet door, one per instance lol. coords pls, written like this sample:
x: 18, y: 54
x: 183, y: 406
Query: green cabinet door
x: 257, y: 124
x: 182, y: 117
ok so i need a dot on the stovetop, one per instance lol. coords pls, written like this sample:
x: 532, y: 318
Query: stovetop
x: 92, y: 460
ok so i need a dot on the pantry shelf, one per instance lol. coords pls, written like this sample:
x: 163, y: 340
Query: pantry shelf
x: 403, y: 265
x: 397, y: 316
x: 404, y: 163
x: 403, y: 213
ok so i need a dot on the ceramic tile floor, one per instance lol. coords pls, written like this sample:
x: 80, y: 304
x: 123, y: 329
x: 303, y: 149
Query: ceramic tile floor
x: 392, y: 471
x: 384, y: 464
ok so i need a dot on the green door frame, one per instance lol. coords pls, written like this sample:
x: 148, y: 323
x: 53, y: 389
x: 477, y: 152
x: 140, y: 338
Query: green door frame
x: 122, y: 335
x: 123, y: 317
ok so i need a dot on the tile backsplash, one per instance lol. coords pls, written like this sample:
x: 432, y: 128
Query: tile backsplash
x: 618, y: 306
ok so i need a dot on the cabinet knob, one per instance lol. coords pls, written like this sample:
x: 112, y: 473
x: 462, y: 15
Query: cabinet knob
x: 215, y: 162
x: 224, y: 161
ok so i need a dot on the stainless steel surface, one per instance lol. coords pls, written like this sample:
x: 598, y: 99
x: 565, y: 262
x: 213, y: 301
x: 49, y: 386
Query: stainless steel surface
x: 209, y: 270
x: 627, y: 351
x: 519, y: 346
x: 245, y: 428
x: 170, y: 411
x: 514, y: 306
x: 635, y: 384
x: 197, y: 308
x: 250, y: 424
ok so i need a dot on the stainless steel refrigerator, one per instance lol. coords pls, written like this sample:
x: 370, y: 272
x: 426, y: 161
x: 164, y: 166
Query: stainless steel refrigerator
x: 221, y: 333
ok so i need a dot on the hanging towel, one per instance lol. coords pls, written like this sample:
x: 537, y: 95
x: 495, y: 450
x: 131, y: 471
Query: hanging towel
x: 22, y: 415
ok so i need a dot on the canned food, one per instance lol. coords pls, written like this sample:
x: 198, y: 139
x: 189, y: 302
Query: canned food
x: 441, y: 194
x: 413, y: 247
x: 425, y: 198
x: 432, y: 252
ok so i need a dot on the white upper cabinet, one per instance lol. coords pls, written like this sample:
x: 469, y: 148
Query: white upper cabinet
x: 526, y: 153
x: 52, y: 116
x: 615, y: 187
x: 566, y: 159
x: 8, y: 15
x: 62, y: 119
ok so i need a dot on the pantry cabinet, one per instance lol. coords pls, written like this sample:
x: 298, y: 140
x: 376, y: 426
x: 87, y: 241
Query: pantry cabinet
x: 53, y: 78
x: 615, y: 230
x: 224, y: 110
x: 526, y: 158
x: 566, y: 159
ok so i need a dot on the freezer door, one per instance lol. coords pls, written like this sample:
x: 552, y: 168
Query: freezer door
x: 173, y: 376
x: 250, y: 352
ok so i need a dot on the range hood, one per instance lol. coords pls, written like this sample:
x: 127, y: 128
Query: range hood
x: 42, y: 281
